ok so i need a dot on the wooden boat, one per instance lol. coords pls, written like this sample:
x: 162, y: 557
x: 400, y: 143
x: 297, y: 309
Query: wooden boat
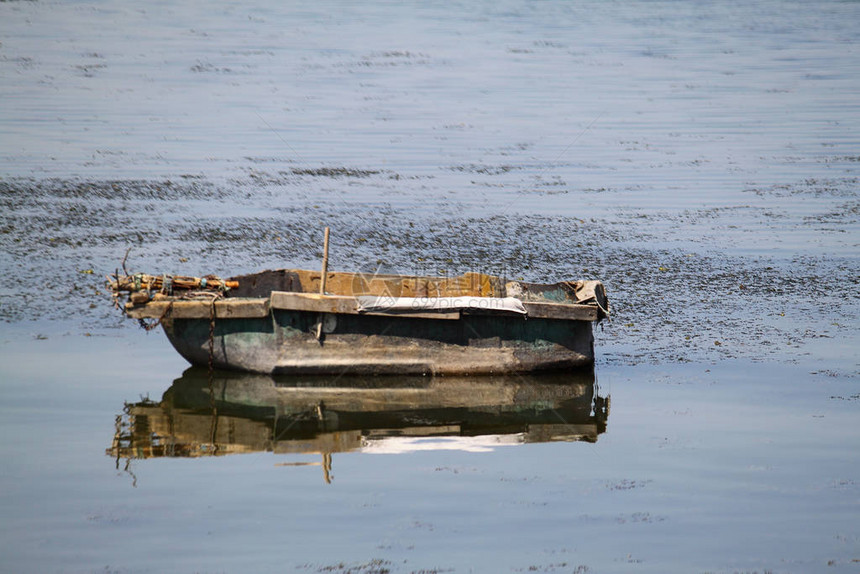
x: 222, y: 413
x: 293, y: 321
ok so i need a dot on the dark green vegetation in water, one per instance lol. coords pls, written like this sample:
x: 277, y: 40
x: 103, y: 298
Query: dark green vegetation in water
x: 671, y: 303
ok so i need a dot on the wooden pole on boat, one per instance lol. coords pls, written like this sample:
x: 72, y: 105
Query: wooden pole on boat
x: 325, y: 263
x: 323, y: 282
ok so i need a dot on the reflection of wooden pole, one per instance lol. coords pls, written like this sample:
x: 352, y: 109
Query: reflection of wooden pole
x: 326, y: 464
x: 323, y: 281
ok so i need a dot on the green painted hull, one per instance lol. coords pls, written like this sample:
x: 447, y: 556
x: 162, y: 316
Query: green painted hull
x: 285, y: 342
x: 287, y: 322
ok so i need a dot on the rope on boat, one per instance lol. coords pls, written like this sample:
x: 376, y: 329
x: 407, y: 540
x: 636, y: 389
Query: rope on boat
x: 605, y: 311
x: 150, y: 326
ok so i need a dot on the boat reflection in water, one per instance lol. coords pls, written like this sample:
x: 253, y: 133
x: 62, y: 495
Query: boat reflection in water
x: 242, y: 413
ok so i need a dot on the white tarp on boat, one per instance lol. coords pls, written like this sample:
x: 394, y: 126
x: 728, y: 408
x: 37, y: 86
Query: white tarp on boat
x: 373, y: 304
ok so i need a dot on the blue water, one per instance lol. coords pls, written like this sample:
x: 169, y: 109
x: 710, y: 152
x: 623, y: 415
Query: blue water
x: 730, y: 467
x: 700, y: 158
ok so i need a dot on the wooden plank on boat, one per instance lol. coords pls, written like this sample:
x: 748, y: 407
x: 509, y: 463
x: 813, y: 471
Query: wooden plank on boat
x: 560, y: 311
x: 242, y: 308
x: 468, y: 284
x: 224, y: 309
x: 342, y: 304
x: 312, y: 302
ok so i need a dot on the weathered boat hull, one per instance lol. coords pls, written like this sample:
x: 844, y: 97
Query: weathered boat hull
x: 278, y: 322
x: 284, y: 343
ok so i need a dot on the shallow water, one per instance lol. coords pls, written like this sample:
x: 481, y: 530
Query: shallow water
x: 701, y: 160
x: 735, y: 466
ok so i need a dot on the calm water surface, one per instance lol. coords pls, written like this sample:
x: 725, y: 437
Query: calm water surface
x: 736, y: 466
x: 701, y: 159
